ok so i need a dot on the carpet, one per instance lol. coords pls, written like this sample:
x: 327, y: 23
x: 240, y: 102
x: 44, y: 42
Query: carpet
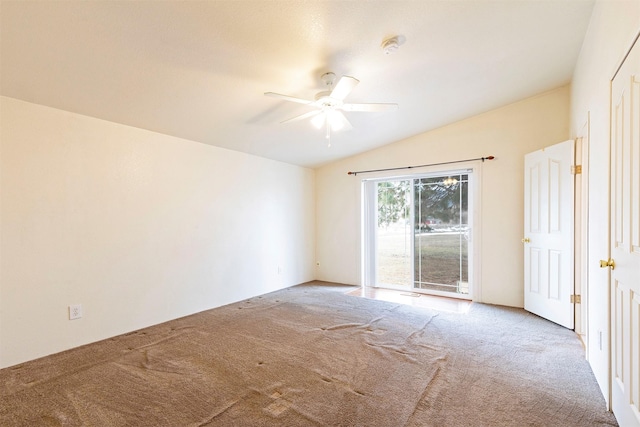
x: 311, y: 355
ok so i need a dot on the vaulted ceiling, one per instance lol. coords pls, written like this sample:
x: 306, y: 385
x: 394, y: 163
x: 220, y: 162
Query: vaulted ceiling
x: 198, y: 69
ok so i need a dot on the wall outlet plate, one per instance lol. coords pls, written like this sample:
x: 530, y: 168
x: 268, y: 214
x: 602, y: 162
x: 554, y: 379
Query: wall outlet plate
x: 75, y: 311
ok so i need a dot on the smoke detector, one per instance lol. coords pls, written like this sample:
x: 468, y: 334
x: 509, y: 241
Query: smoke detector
x: 392, y: 44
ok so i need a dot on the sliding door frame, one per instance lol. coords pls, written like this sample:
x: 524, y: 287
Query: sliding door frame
x: 369, y: 224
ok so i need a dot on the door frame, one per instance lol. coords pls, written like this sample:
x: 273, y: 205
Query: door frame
x: 369, y: 245
x: 582, y: 236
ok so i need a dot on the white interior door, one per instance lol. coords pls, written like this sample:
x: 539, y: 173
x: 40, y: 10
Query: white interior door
x: 625, y: 241
x: 549, y: 230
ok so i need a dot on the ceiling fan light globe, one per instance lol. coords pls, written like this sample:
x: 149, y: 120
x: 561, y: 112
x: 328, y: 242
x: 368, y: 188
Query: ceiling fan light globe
x: 335, y: 120
x: 318, y: 121
x: 337, y: 125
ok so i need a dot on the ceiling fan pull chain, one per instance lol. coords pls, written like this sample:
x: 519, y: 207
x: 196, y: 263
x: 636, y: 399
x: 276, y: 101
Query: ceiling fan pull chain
x: 327, y: 125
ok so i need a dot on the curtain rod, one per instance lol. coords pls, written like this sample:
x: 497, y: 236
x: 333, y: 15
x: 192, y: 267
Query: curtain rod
x: 422, y: 166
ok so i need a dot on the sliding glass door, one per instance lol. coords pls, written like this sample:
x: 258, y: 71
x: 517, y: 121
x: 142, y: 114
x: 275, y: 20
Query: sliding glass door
x: 394, y: 237
x: 441, y: 249
x: 418, y: 233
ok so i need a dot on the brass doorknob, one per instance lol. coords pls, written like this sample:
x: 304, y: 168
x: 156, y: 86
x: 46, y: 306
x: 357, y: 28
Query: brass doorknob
x: 526, y: 240
x: 609, y: 263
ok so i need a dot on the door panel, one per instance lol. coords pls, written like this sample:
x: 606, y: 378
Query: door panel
x: 442, y: 228
x: 555, y: 274
x: 549, y: 219
x: 393, y: 234
x: 625, y: 238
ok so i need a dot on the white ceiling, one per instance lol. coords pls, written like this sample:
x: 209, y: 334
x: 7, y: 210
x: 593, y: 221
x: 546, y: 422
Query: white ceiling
x: 198, y: 69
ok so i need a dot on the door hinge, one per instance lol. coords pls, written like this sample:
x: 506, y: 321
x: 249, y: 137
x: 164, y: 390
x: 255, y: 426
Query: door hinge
x: 575, y: 299
x: 576, y: 170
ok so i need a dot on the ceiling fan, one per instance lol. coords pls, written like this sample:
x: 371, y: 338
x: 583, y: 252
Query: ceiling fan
x: 329, y: 104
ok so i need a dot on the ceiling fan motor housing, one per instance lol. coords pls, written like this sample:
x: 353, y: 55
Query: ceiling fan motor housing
x: 324, y: 99
x: 328, y: 78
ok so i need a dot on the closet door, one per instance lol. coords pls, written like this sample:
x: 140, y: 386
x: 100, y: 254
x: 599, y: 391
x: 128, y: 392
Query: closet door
x: 624, y: 261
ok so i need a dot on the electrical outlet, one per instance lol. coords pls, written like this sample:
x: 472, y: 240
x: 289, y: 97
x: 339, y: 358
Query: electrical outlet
x: 75, y: 311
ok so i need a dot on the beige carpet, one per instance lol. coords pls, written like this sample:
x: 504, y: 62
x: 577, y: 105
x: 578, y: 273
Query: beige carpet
x: 313, y: 356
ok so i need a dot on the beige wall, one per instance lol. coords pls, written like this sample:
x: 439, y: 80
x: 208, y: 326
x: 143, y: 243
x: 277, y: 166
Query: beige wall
x: 614, y: 25
x: 137, y: 226
x: 507, y: 133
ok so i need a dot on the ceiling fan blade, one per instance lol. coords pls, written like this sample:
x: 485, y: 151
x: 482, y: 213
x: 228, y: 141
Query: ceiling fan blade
x: 369, y: 107
x: 344, y: 87
x: 288, y: 98
x: 303, y: 116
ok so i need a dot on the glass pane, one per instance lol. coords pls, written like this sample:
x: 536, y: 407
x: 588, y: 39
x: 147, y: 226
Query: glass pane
x: 393, y: 263
x: 442, y: 230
